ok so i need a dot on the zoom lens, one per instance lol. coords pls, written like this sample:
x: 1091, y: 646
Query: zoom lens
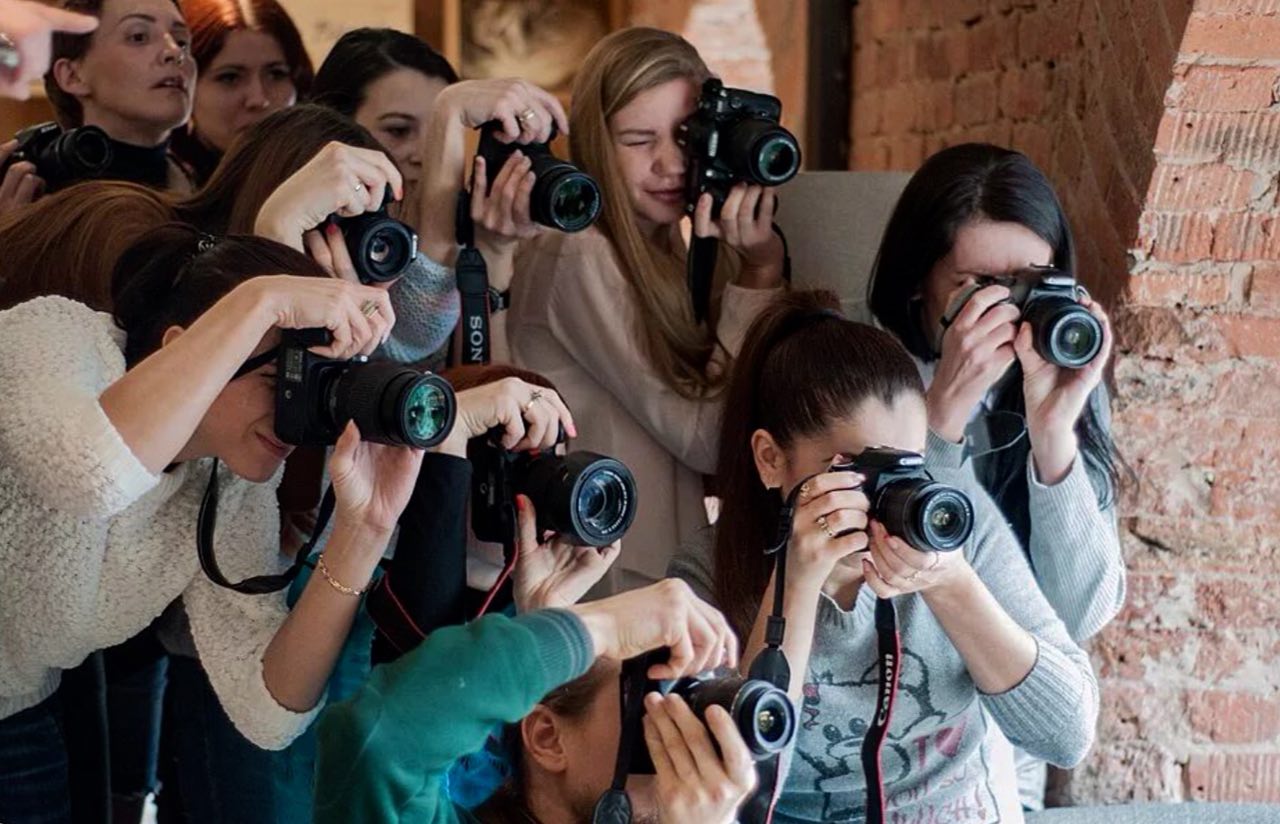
x: 762, y: 152
x: 930, y: 516
x: 393, y: 404
x: 778, y: 159
x: 762, y: 713
x: 381, y: 247
x: 587, y: 498
x: 564, y: 197
x: 83, y: 152
x: 1066, y: 333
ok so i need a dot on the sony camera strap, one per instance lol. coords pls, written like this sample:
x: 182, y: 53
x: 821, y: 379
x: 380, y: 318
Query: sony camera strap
x: 700, y: 270
x: 479, y: 299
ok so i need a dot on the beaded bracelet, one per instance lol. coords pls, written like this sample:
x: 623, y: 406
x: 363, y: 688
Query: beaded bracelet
x: 334, y: 582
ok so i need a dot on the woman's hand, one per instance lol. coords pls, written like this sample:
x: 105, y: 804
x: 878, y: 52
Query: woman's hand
x: 665, y: 614
x: 371, y: 482
x: 554, y: 573
x: 31, y: 26
x: 977, y: 348
x: 830, y: 524
x: 897, y: 568
x: 746, y: 224
x: 21, y: 185
x: 359, y: 318
x: 694, y: 781
x: 530, y: 416
x: 501, y: 214
x: 525, y: 111
x: 328, y: 247
x: 1056, y: 397
x: 340, y: 179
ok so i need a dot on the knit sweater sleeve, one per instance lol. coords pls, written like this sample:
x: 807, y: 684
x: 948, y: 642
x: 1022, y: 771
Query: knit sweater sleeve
x: 592, y: 312
x: 56, y: 358
x: 427, y: 306
x: 1052, y: 712
x: 383, y: 755
x: 1075, y: 546
x: 232, y: 630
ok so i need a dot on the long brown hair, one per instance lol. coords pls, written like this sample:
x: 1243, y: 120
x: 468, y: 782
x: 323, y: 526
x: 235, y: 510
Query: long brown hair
x: 802, y: 367
x: 619, y: 68
x: 211, y: 21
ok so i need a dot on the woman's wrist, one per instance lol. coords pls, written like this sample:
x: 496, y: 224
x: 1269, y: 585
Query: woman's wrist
x: 942, y: 420
x: 1053, y: 453
x: 956, y: 591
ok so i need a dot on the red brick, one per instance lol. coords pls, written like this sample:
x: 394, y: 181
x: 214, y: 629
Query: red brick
x: 1179, y: 288
x: 1121, y: 653
x: 1035, y: 140
x: 868, y: 113
x: 1251, y: 336
x: 1023, y: 93
x: 1241, y: 37
x: 1223, y: 88
x: 1048, y: 32
x: 906, y: 152
x: 898, y: 109
x: 989, y: 44
x: 1192, y: 188
x: 1233, y: 718
x: 1157, y: 544
x: 866, y: 61
x: 1237, y: 602
x: 1238, y: 777
x: 1175, y: 237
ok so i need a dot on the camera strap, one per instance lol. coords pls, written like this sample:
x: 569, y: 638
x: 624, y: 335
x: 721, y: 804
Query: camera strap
x: 700, y: 270
x: 479, y: 299
x: 206, y: 525
x: 889, y: 646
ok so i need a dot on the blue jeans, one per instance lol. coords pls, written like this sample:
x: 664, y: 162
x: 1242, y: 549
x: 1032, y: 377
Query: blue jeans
x: 33, y: 767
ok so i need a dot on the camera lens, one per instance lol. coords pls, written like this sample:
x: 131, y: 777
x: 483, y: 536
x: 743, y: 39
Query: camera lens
x: 588, y: 498
x: 381, y: 247
x: 762, y: 152
x: 84, y: 152
x: 564, y: 197
x: 778, y: 159
x: 930, y: 516
x: 1066, y: 333
x: 392, y: 404
x: 763, y: 714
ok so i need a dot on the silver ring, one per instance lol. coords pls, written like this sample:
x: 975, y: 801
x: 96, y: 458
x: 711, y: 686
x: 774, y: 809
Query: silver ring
x: 10, y: 57
x: 537, y: 394
x: 359, y: 187
x: 527, y: 115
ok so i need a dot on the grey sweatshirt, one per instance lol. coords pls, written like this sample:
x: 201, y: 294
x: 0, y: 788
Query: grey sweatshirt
x: 937, y: 758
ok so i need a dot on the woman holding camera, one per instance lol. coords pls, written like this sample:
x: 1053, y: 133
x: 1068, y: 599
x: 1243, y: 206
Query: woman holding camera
x: 133, y: 77
x: 605, y: 313
x: 251, y: 63
x: 811, y: 389
x: 1035, y: 434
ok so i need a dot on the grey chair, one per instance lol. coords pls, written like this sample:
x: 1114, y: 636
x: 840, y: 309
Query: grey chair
x: 1189, y: 813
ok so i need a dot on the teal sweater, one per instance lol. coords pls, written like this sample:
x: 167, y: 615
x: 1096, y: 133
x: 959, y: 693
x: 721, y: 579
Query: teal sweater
x: 384, y: 754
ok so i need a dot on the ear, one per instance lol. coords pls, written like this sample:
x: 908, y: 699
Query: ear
x: 543, y: 739
x: 66, y: 73
x: 171, y: 334
x: 771, y: 461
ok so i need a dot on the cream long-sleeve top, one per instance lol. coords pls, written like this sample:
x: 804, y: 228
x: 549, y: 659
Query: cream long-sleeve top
x: 574, y: 319
x: 93, y: 546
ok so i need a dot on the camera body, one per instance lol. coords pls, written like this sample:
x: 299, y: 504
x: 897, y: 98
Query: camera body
x: 1065, y: 332
x: 763, y: 714
x: 931, y: 516
x: 734, y: 136
x: 588, y: 498
x: 62, y: 158
x: 564, y: 197
x: 391, y: 403
x: 380, y: 246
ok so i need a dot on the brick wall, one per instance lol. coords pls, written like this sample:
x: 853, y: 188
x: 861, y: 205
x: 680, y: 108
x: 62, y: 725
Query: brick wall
x: 1158, y: 122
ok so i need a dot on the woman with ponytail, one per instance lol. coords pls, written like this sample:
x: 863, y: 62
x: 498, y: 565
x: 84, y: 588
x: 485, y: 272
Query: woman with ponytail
x: 1036, y: 435
x: 810, y: 389
x: 606, y: 313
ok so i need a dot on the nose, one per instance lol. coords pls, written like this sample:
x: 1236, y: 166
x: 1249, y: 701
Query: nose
x: 668, y: 161
x: 256, y: 96
x: 173, y: 52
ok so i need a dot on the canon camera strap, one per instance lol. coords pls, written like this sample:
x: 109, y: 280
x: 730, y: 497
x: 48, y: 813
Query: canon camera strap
x: 889, y: 661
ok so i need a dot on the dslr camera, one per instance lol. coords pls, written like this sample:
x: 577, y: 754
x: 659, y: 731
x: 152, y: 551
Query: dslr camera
x: 1066, y: 333
x: 734, y: 135
x: 62, y: 158
x: 380, y: 246
x: 391, y: 403
x: 564, y: 197
x: 931, y: 516
x: 587, y: 498
x: 761, y: 712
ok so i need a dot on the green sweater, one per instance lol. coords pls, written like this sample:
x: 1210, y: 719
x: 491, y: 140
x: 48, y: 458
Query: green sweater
x: 384, y: 753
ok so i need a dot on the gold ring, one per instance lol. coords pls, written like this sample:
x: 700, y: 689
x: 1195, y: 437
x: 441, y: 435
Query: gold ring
x: 822, y: 522
x: 804, y: 491
x: 532, y: 400
x: 369, y: 308
x: 527, y: 115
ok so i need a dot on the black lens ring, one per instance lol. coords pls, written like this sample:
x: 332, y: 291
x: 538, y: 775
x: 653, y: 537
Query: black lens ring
x: 619, y: 476
x: 762, y: 145
x: 444, y: 390
x: 552, y: 188
x: 931, y: 498
x: 1052, y: 327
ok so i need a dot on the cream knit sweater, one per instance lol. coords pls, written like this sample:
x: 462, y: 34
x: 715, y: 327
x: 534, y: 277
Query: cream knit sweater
x: 93, y: 546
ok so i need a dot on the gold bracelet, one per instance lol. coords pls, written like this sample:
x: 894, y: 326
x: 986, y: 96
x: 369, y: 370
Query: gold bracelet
x: 334, y: 582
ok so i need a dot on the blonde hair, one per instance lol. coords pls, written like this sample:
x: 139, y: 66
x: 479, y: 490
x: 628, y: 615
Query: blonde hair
x: 620, y: 67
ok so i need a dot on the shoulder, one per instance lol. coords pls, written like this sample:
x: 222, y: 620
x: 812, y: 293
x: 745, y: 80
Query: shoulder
x: 45, y: 326
x: 583, y: 253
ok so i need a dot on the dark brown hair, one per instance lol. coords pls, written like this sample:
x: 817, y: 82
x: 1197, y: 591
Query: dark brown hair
x: 175, y: 273
x: 212, y: 20
x: 802, y: 367
x: 66, y: 108
x: 363, y: 56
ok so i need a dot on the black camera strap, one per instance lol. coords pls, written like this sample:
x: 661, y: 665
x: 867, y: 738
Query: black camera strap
x: 258, y: 584
x: 700, y: 270
x: 889, y: 653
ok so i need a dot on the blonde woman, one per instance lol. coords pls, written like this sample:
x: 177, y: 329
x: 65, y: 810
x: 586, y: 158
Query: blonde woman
x: 605, y: 313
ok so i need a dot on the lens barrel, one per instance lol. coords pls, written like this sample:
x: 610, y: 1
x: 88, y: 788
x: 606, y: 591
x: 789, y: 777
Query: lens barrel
x: 587, y: 498
x: 930, y: 516
x: 564, y: 197
x: 1066, y: 333
x: 762, y: 713
x: 762, y: 152
x: 391, y: 404
x: 381, y: 247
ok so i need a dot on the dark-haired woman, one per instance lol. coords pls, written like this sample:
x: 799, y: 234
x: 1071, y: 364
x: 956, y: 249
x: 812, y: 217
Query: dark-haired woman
x: 252, y: 63
x: 978, y: 639
x: 1036, y: 435
x: 133, y: 77
x: 387, y: 81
